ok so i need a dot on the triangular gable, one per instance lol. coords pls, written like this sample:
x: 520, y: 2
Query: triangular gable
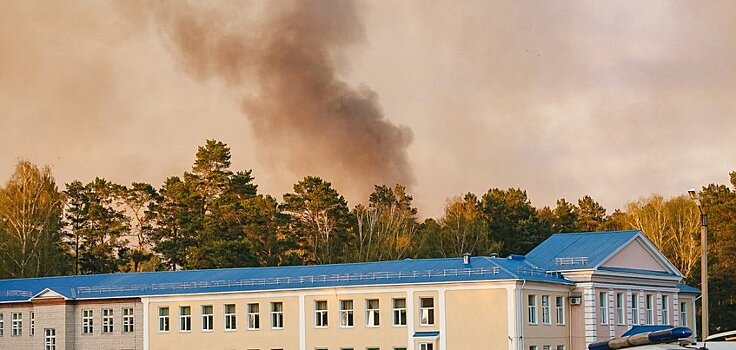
x: 635, y: 256
x: 640, y: 254
x: 48, y: 294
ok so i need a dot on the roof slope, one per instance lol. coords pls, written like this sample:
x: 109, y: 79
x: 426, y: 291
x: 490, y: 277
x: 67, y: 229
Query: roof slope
x: 578, y: 251
x: 275, y: 278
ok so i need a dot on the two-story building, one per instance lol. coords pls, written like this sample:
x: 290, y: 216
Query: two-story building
x: 571, y: 290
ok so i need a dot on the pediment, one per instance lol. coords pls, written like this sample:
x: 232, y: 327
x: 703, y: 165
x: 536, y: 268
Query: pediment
x: 48, y: 294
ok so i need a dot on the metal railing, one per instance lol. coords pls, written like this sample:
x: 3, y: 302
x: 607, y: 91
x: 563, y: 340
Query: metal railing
x: 17, y: 293
x: 299, y: 280
x: 533, y: 271
x: 579, y: 260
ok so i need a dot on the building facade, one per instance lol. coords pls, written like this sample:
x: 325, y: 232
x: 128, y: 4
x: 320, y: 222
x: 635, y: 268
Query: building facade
x: 571, y: 290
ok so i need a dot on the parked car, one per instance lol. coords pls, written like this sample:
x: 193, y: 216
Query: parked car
x: 720, y: 341
x: 667, y: 339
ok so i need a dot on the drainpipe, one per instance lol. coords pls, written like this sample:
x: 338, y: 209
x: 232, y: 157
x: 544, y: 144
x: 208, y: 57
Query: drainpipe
x: 520, y: 316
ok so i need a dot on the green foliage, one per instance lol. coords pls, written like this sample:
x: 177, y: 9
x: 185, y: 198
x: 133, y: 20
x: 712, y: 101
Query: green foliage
x: 591, y: 216
x: 512, y: 220
x: 319, y: 220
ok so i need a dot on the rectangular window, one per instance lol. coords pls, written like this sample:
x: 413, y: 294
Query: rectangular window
x: 650, y: 309
x: 49, y: 339
x: 185, y: 318
x: 560, y: 308
x: 426, y: 311
x: 683, y: 314
x: 426, y: 346
x: 230, y: 317
x: 372, y: 313
x: 560, y: 347
x: 2, y: 325
x: 128, y: 321
x: 532, y: 308
x: 665, y: 310
x: 399, y: 312
x: 620, y: 309
x: 33, y: 323
x: 346, y: 313
x: 546, y: 319
x: 635, y: 308
x: 320, y: 313
x: 603, y: 307
x: 546, y: 347
x: 163, y: 319
x: 107, y: 321
x: 88, y: 322
x: 207, y: 318
x: 254, y: 316
x: 277, y: 315
x: 532, y: 347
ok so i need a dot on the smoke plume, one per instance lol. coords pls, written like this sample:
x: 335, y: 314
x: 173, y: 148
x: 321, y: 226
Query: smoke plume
x: 286, y: 59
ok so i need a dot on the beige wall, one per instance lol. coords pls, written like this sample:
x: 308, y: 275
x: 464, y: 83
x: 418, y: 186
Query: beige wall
x: 477, y: 319
x: 545, y: 334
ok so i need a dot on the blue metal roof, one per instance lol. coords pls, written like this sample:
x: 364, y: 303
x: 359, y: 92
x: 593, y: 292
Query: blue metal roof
x: 275, y: 278
x: 684, y: 288
x: 578, y: 251
x: 426, y: 334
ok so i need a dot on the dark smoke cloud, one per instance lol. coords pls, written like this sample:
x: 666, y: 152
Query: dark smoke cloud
x: 286, y: 58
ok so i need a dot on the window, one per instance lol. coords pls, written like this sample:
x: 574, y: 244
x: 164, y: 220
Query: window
x: 532, y: 347
x: 683, y: 316
x: 372, y: 348
x: 207, y: 318
x: 665, y: 310
x: 346, y: 313
x: 163, y: 319
x: 107, y: 321
x: 399, y: 312
x: 635, y: 308
x: 532, y: 305
x: 254, y: 316
x: 399, y: 348
x: 277, y: 315
x: 128, y: 324
x: 16, y: 324
x: 230, y: 319
x: 33, y: 323
x: 603, y: 306
x: 372, y: 314
x: 546, y: 347
x: 545, y: 310
x: 560, y: 347
x: 88, y: 322
x: 49, y: 339
x: 650, y: 309
x: 185, y: 318
x: 560, y: 308
x: 426, y: 346
x: 320, y: 313
x: 620, y: 309
x: 426, y: 311
x: 2, y: 326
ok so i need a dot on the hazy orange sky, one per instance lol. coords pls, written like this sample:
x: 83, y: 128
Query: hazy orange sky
x: 615, y: 99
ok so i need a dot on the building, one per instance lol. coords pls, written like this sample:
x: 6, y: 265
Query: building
x: 573, y: 289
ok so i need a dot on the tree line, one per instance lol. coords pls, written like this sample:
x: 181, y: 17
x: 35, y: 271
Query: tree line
x: 214, y: 217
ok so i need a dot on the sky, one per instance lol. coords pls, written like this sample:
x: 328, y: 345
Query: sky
x: 617, y: 100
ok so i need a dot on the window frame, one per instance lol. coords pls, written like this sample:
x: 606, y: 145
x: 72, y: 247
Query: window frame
x: 277, y: 316
x: 665, y: 310
x: 128, y: 320
x: 185, y: 319
x: 164, y: 319
x: 208, y: 318
x: 426, y: 313
x: 546, y: 310
x: 603, y: 305
x: 560, y: 310
x: 88, y: 321
x: 620, y: 307
x: 635, y: 311
x: 373, y: 314
x: 399, y: 312
x: 230, y: 317
x: 321, y: 315
x: 49, y: 338
x: 108, y: 322
x: 347, y: 315
x: 649, y: 307
x: 253, y: 316
x: 532, y: 312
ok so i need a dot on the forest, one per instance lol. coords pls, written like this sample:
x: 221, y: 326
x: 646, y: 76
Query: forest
x: 215, y: 217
